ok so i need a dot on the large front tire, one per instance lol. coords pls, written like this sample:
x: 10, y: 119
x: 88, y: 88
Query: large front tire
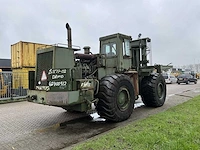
x: 116, y: 98
x: 153, y: 90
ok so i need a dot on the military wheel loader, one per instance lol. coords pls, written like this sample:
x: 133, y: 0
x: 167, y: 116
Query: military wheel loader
x: 111, y: 80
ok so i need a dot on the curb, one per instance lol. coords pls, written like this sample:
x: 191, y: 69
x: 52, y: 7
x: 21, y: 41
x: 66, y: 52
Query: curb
x: 12, y: 100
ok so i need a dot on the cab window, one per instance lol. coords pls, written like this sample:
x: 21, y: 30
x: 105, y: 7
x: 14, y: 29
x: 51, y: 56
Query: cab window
x: 126, y: 47
x: 109, y: 49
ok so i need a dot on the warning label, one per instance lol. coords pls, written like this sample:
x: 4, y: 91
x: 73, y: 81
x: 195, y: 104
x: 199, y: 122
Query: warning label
x: 44, y: 76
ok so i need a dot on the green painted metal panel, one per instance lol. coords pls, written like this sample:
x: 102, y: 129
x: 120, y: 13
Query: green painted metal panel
x: 101, y: 73
x: 111, y: 62
x: 60, y: 79
x: 126, y: 64
x: 64, y: 58
x: 62, y: 98
x: 73, y: 97
x: 105, y: 71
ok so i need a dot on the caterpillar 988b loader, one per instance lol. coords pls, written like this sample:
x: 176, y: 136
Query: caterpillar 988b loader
x: 111, y: 80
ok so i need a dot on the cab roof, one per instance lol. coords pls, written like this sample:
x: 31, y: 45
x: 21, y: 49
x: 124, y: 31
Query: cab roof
x: 114, y: 36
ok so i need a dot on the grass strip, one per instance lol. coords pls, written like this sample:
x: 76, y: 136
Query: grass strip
x: 177, y: 128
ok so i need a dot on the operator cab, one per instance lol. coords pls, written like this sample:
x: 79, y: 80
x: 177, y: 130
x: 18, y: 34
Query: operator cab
x: 116, y: 51
x: 109, y: 45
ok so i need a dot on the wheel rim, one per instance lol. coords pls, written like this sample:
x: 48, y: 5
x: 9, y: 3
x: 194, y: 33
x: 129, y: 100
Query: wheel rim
x: 123, y: 99
x: 160, y: 90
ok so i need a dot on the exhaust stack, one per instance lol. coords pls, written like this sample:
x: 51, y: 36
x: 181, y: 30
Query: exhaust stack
x: 69, y: 36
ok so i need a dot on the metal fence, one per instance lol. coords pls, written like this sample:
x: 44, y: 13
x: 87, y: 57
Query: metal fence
x: 13, y: 85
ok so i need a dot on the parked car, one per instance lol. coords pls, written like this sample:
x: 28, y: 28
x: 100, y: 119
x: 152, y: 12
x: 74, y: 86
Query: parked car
x: 169, y: 78
x: 186, y: 78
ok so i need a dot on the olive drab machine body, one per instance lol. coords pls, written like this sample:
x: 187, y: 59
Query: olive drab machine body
x: 111, y: 80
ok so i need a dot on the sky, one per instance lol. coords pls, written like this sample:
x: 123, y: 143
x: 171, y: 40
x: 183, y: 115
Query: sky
x: 172, y: 25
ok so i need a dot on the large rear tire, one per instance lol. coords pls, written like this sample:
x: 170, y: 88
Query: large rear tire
x: 153, y: 90
x: 116, y: 98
